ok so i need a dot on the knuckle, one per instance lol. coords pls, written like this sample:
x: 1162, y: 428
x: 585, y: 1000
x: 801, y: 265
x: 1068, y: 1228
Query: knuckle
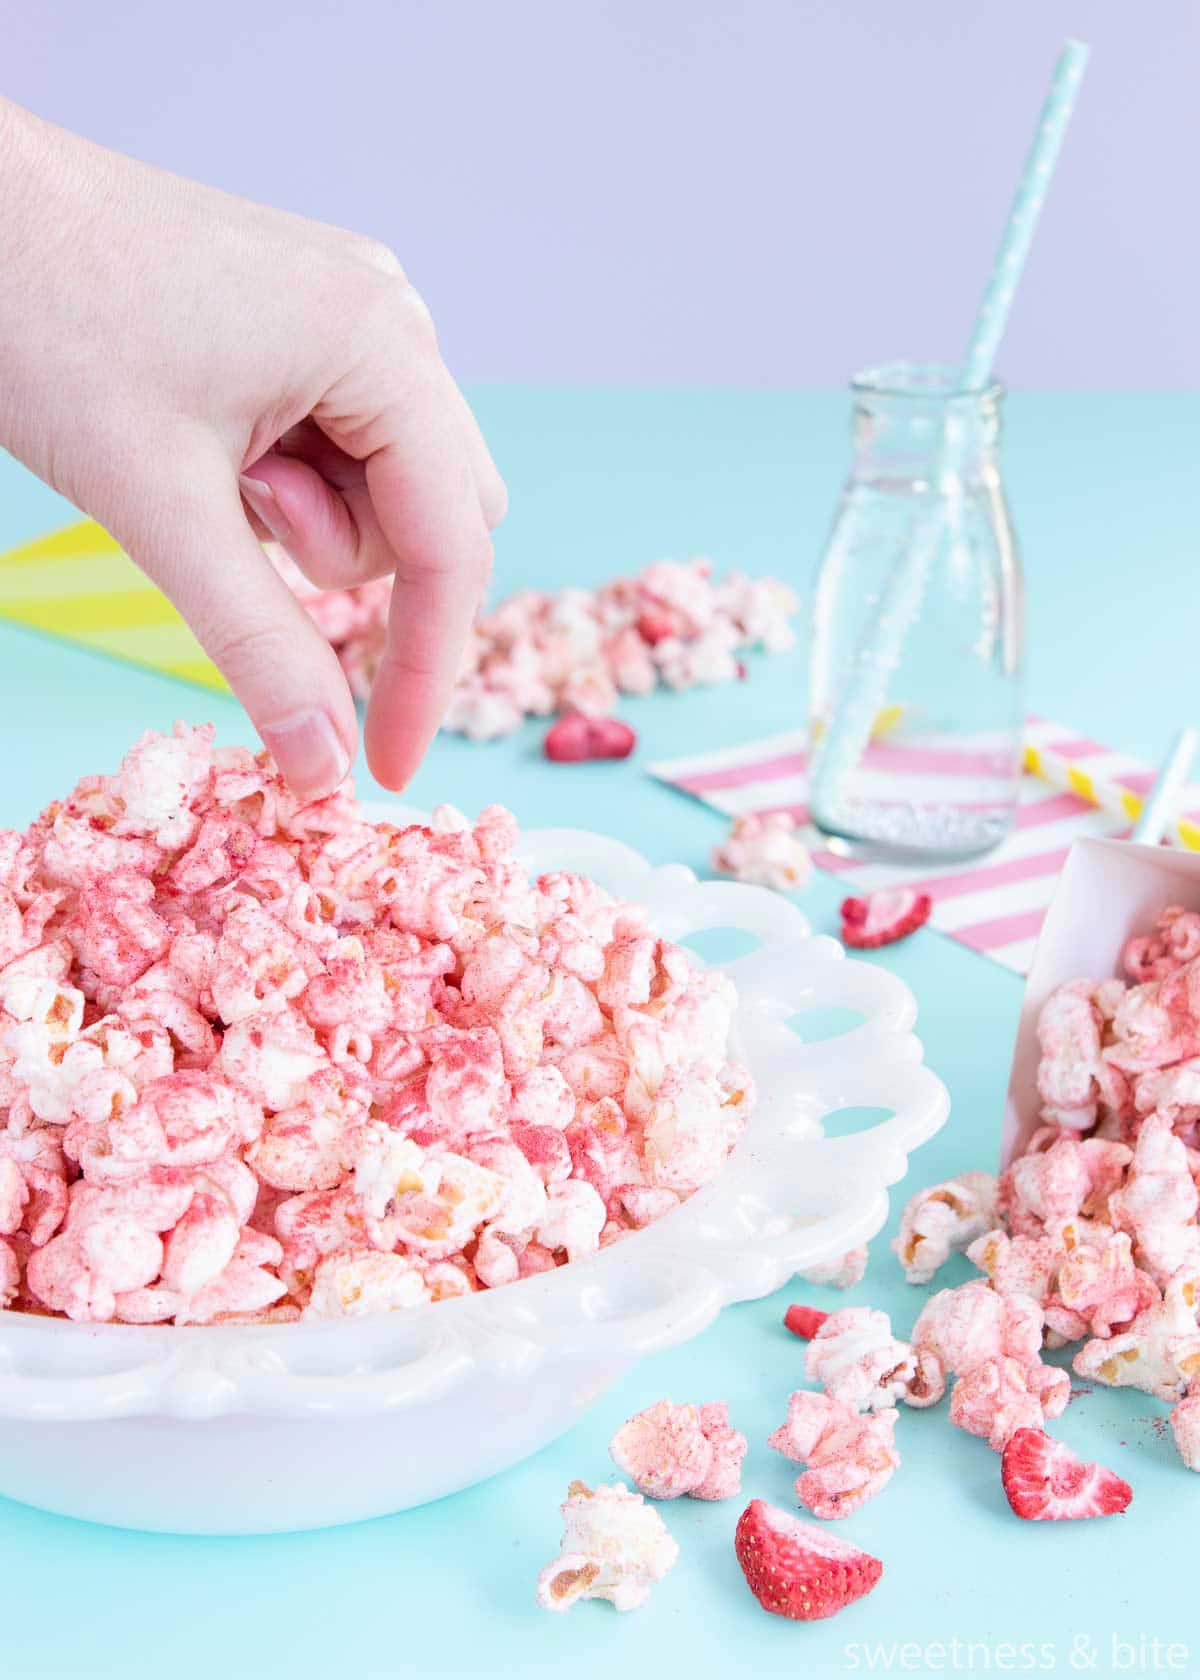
x: 375, y: 255
x: 418, y: 320
x: 242, y: 650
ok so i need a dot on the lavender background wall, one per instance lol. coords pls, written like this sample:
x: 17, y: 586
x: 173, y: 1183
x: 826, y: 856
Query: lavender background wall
x: 683, y: 191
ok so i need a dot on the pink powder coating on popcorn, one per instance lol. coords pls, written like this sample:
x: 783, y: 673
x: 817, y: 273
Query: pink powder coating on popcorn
x: 576, y: 650
x: 668, y: 1451
x: 858, y: 1361
x: 850, y: 1455
x: 261, y: 1060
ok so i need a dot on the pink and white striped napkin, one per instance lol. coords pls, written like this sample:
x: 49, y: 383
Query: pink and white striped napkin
x: 995, y: 904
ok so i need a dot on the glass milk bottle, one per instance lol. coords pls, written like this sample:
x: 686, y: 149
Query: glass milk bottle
x: 916, y: 714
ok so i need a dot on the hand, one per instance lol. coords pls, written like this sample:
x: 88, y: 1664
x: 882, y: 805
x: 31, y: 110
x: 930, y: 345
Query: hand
x: 161, y: 341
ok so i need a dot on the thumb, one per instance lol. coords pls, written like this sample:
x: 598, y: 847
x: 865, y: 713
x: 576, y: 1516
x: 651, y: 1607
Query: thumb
x: 194, y: 541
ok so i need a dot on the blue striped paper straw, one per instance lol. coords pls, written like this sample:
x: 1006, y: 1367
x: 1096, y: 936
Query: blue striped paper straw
x: 1022, y: 222
x: 879, y: 654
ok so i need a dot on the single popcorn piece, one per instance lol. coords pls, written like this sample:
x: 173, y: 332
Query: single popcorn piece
x: 850, y: 1455
x: 843, y: 1273
x: 857, y: 1360
x: 944, y: 1219
x: 729, y: 1445
x: 263, y: 1061
x: 614, y: 1546
x: 667, y: 1451
x: 1159, y: 1352
x: 1073, y: 1077
x: 965, y: 1327
x: 765, y: 849
x: 1000, y: 1396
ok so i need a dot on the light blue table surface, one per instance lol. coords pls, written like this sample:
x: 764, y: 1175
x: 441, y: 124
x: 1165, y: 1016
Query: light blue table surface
x: 1106, y: 493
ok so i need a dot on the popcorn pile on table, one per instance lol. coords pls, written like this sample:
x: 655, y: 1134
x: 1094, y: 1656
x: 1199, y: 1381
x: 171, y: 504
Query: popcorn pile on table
x: 1090, y: 1239
x: 1091, y: 1235
x: 576, y: 650
x: 261, y: 1060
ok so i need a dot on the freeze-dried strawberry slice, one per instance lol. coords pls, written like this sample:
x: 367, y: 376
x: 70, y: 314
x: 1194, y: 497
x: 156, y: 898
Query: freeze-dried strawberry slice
x: 883, y: 917
x: 654, y: 627
x: 575, y: 738
x: 804, y: 1321
x: 1046, y: 1482
x: 795, y: 1569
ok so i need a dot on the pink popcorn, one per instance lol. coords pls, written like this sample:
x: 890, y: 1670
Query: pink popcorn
x: 589, y: 690
x: 667, y: 1451
x: 352, y: 1285
x: 262, y: 1060
x: 1155, y: 1025
x: 1159, y: 1353
x: 1159, y: 1199
x: 614, y: 1546
x: 850, y: 1456
x: 943, y: 1219
x: 729, y: 1446
x: 967, y: 1326
x: 118, y: 933
x: 999, y: 1396
x: 764, y: 849
x: 858, y: 1361
x: 480, y: 712
x: 10, y: 1274
x: 1052, y: 1183
x: 1185, y: 1427
x: 1074, y: 1078
x: 843, y: 1273
x: 1020, y: 1265
x: 1101, y: 1289
x: 33, y: 1179
x: 1174, y: 943
x: 630, y: 662
x: 573, y: 1220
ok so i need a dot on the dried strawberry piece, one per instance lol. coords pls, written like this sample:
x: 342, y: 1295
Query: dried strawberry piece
x: 798, y: 1570
x: 1046, y: 1482
x: 654, y: 627
x: 804, y: 1321
x: 881, y: 918
x: 576, y: 737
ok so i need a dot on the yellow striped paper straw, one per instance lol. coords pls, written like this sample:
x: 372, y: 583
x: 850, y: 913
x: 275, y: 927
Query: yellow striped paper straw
x: 1107, y: 795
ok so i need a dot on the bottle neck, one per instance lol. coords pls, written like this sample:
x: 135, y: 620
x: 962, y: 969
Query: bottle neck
x: 926, y: 441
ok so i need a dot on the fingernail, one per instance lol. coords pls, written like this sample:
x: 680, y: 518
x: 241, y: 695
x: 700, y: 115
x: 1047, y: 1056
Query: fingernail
x: 264, y: 502
x: 309, y: 752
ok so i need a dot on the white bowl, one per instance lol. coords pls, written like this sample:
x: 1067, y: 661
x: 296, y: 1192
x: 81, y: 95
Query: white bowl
x: 244, y: 1430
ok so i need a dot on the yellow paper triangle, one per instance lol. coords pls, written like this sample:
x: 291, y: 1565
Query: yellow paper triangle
x: 78, y: 584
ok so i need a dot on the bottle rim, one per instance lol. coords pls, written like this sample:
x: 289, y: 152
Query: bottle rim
x: 936, y: 382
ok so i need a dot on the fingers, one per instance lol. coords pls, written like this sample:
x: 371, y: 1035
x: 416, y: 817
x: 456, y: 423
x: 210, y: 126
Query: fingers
x: 313, y: 498
x: 493, y: 493
x: 424, y: 493
x: 197, y: 546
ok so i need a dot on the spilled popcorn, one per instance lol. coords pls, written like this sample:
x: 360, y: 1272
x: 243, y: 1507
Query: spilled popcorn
x: 614, y: 1546
x: 262, y: 1061
x: 575, y: 651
